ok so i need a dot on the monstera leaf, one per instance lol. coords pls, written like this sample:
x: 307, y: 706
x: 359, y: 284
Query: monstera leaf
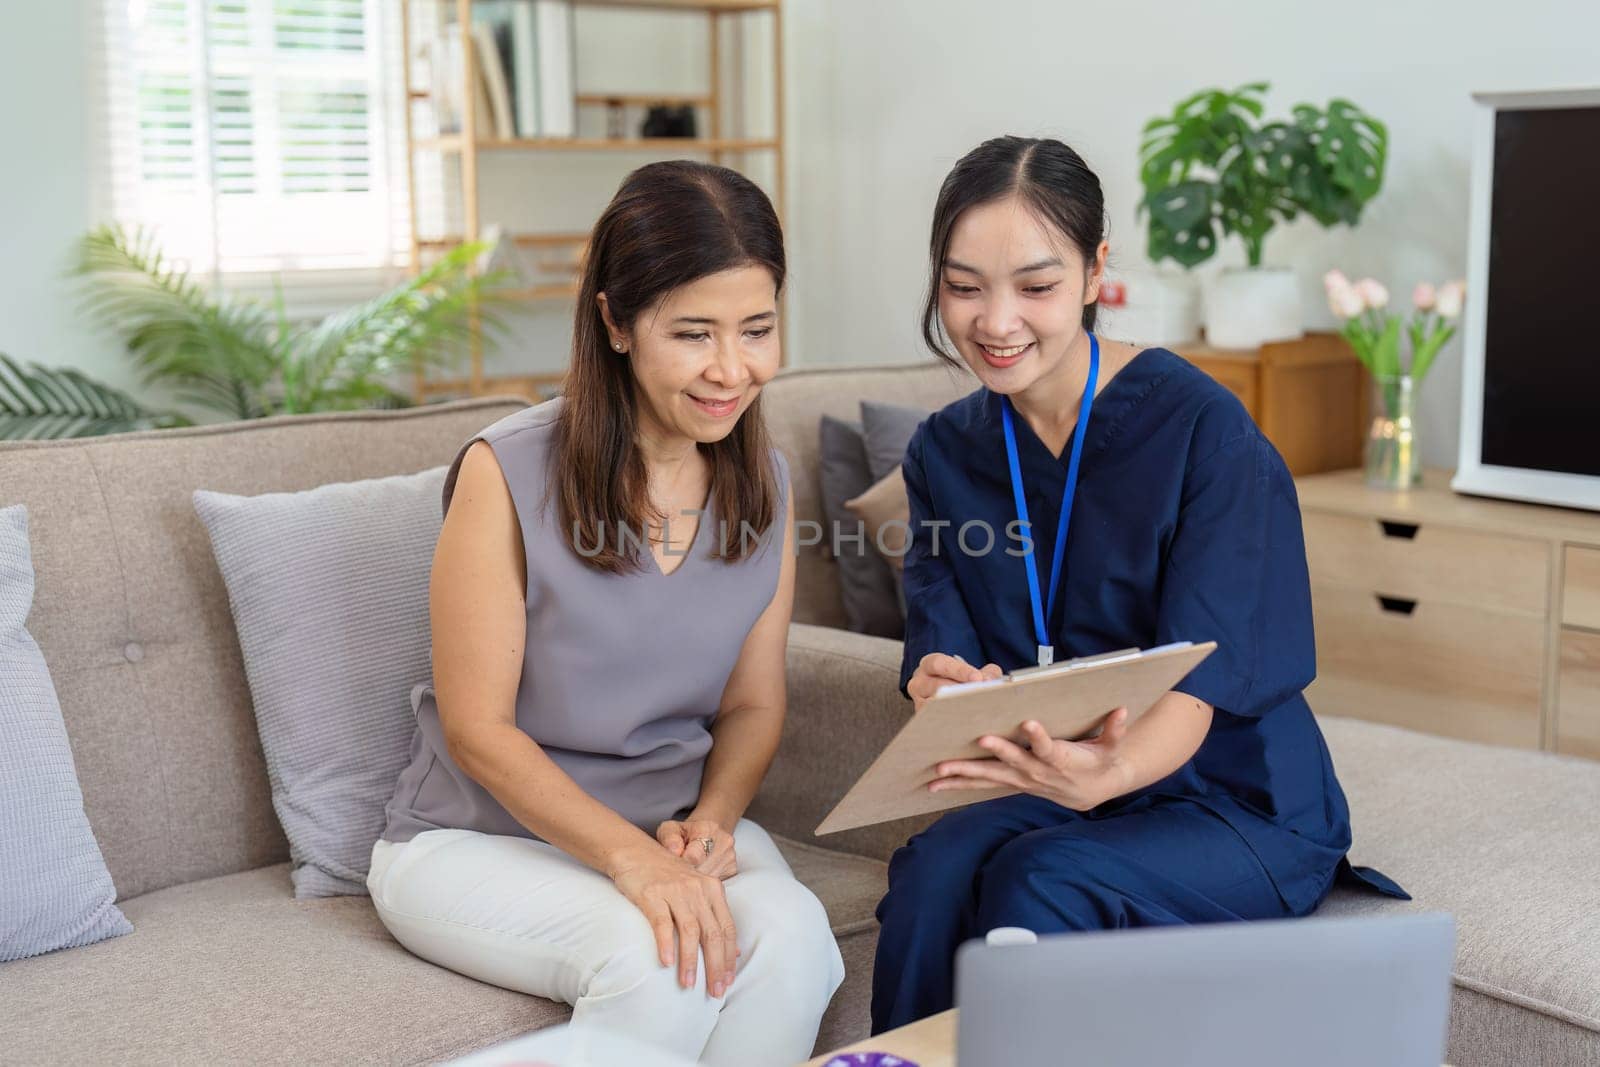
x: 1209, y: 169
x: 1183, y: 225
x: 1346, y: 150
x: 38, y: 402
x: 1199, y: 132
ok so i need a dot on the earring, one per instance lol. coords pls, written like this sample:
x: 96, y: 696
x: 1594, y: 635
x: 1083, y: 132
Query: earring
x: 618, y: 346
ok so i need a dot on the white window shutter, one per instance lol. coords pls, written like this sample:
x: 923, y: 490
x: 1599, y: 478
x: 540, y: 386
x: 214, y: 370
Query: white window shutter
x: 257, y: 135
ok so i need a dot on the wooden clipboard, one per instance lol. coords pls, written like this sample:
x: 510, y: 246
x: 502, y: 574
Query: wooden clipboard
x: 1069, y: 699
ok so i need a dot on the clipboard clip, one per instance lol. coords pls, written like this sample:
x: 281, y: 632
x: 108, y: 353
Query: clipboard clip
x: 1075, y: 662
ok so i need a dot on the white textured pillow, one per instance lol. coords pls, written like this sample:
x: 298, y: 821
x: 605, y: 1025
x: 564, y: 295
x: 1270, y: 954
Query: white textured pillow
x: 55, y: 891
x: 329, y: 590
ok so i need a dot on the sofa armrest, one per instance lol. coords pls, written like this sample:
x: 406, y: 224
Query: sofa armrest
x: 844, y: 706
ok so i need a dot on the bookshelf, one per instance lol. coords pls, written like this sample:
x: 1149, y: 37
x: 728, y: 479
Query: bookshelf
x: 470, y: 141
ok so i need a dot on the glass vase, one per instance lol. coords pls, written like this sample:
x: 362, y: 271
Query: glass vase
x: 1392, y: 457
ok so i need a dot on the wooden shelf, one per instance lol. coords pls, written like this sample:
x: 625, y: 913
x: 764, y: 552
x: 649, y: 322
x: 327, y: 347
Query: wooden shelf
x: 531, y: 240
x: 455, y: 143
x: 630, y: 144
x: 643, y: 99
x: 721, y: 7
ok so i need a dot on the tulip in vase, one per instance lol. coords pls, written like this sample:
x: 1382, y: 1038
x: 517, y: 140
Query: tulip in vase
x: 1393, y: 459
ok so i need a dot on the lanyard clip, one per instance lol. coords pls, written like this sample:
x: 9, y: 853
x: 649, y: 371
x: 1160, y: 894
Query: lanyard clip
x: 1047, y: 655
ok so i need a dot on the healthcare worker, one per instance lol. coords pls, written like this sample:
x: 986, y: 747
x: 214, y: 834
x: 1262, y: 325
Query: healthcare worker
x: 1093, y: 496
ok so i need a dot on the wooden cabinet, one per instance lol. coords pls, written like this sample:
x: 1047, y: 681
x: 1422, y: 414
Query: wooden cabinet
x: 1308, y: 396
x: 1456, y: 615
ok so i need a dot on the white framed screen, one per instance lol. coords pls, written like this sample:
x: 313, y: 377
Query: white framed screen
x: 1530, y: 383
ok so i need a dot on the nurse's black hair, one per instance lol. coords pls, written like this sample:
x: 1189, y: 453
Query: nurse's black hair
x: 1048, y: 176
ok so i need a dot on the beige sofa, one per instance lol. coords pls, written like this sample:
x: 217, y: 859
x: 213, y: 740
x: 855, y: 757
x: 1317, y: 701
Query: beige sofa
x: 225, y: 966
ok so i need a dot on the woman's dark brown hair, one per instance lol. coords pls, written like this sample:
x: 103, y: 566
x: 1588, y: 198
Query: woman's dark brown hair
x: 1048, y: 176
x: 670, y: 224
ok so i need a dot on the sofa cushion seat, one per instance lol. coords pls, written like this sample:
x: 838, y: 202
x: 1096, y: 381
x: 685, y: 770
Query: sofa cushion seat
x: 1508, y: 842
x: 235, y: 969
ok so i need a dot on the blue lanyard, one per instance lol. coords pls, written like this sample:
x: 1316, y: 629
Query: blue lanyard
x: 1046, y: 648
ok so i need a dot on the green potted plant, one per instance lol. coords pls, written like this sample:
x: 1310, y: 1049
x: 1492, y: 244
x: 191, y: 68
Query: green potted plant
x: 1213, y: 169
x: 247, y: 360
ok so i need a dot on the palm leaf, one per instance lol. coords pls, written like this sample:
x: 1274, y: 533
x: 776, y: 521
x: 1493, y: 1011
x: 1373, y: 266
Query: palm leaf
x: 38, y: 403
x: 428, y: 322
x: 221, y: 352
x: 249, y: 360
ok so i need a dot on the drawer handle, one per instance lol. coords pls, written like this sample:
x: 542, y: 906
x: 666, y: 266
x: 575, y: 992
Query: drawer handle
x: 1396, y: 605
x: 1406, y: 531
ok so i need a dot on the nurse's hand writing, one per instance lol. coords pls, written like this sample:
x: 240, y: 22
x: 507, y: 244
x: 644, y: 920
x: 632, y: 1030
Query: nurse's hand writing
x: 938, y: 670
x: 1074, y: 774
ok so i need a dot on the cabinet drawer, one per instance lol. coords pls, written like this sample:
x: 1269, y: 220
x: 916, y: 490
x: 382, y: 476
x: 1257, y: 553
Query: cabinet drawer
x: 1580, y: 588
x: 1578, y: 706
x: 1427, y: 562
x: 1443, y: 668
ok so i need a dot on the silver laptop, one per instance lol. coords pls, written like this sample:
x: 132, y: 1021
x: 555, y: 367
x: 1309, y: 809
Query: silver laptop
x: 1300, y: 992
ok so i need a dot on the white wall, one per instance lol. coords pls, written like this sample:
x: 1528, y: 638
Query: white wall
x: 44, y: 188
x: 882, y: 97
x: 885, y: 95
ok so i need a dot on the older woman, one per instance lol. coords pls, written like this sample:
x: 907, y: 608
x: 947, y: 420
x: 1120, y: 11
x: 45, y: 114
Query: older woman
x: 610, y: 601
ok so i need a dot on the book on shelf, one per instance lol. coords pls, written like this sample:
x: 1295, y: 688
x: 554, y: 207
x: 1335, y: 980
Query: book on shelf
x: 556, y: 68
x: 524, y: 53
x: 444, y: 79
x: 492, y: 80
x: 524, y: 66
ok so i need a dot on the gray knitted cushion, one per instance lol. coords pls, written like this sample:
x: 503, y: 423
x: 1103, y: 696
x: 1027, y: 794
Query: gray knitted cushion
x: 329, y: 590
x: 55, y: 891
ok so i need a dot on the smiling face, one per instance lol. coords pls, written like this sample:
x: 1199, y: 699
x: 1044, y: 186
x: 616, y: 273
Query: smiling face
x: 1012, y: 293
x: 701, y: 354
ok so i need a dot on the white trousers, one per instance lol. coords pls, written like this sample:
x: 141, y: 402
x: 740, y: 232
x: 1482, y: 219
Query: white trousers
x: 524, y: 915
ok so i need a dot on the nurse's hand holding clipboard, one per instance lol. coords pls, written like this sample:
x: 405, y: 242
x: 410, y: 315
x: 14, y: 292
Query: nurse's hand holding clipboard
x: 1075, y: 774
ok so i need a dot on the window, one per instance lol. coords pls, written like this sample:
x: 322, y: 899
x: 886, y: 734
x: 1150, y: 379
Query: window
x: 258, y: 135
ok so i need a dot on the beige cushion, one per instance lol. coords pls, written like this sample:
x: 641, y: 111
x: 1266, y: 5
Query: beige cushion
x: 234, y: 969
x: 885, y: 510
x: 794, y: 403
x: 133, y: 618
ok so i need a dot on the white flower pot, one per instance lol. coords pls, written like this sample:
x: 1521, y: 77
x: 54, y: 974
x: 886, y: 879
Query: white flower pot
x: 1163, y: 309
x: 1249, y: 306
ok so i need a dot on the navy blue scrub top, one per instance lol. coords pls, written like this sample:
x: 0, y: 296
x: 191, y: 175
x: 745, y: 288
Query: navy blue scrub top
x: 1186, y: 527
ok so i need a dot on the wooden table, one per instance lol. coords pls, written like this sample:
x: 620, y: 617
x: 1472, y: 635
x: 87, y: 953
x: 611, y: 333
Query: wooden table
x: 929, y: 1042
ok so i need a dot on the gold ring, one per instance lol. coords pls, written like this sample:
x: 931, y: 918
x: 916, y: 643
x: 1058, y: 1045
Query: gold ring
x: 708, y: 843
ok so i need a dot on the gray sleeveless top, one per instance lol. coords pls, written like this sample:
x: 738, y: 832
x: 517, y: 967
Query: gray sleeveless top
x: 621, y: 674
